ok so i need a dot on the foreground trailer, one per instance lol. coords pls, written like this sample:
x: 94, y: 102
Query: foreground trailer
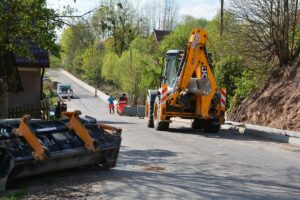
x: 31, y: 147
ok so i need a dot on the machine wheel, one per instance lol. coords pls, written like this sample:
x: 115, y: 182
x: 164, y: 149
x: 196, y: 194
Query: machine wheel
x: 106, y: 165
x: 211, y: 125
x: 197, y: 124
x: 159, y: 125
x: 149, y: 113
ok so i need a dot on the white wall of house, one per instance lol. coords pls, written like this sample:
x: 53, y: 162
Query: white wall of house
x: 31, y: 80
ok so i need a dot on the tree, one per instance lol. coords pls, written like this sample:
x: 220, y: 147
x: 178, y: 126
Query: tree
x: 134, y: 72
x: 179, y: 37
x: 23, y: 22
x: 221, y: 46
x: 269, y: 28
x: 74, y: 41
x: 92, y: 64
x: 161, y: 14
x: 116, y: 20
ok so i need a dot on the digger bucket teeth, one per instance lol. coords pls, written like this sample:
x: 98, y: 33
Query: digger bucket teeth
x: 62, y: 147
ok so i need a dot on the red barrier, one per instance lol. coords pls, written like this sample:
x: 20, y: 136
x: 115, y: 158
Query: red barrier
x: 120, y: 107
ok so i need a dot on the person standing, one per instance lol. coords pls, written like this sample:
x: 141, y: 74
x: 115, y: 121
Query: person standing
x: 69, y: 93
x: 111, y: 105
x: 59, y: 101
x: 123, y: 99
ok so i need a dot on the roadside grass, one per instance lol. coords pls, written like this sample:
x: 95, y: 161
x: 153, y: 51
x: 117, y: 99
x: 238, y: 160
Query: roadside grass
x: 14, y: 195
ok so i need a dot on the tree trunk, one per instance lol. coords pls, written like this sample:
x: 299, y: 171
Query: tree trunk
x: 10, y: 79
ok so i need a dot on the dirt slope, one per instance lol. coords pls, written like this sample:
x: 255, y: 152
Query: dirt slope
x: 276, y: 104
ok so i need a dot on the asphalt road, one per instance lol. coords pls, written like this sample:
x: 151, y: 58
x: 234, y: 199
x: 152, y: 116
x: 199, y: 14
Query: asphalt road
x: 178, y: 164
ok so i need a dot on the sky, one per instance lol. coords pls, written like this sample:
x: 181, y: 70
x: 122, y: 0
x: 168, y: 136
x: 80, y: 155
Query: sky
x: 197, y: 8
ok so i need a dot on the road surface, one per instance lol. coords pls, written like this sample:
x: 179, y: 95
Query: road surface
x: 178, y: 164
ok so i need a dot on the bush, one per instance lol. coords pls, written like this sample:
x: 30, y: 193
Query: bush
x: 239, y: 80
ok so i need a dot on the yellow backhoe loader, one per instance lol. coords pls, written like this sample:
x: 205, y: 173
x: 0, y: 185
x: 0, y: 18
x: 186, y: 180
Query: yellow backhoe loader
x: 188, y: 89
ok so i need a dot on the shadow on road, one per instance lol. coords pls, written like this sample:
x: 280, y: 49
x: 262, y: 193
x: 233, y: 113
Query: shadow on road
x: 145, y: 157
x: 206, y: 180
x: 114, y: 122
x: 228, y: 134
x: 83, y: 96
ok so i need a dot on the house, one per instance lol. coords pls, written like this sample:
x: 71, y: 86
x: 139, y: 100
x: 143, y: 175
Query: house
x: 31, y: 73
x: 159, y: 35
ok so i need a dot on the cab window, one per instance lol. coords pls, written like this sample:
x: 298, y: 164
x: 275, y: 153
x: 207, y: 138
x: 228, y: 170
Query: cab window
x: 170, y: 73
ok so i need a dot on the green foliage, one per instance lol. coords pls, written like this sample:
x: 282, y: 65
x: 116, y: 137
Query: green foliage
x: 179, y: 37
x: 116, y: 19
x: 111, y: 68
x: 226, y: 73
x: 232, y: 73
x: 222, y: 46
x: 233, y: 69
x: 246, y: 84
x: 49, y: 91
x: 25, y: 20
x: 21, y: 23
x: 134, y: 72
x: 92, y: 64
x: 55, y: 62
x: 18, y: 194
x: 74, y: 41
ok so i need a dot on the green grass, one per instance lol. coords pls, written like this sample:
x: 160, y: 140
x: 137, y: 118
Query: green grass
x: 15, y: 195
x: 50, y: 91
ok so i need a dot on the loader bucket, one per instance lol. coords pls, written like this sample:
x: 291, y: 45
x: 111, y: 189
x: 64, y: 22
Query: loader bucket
x: 200, y: 86
x: 57, y: 145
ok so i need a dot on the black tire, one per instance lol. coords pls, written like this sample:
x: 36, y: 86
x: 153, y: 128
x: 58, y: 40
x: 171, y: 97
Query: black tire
x: 107, y: 165
x: 162, y: 126
x: 212, y: 125
x: 197, y: 124
x: 150, y: 122
x: 159, y: 125
x: 149, y: 113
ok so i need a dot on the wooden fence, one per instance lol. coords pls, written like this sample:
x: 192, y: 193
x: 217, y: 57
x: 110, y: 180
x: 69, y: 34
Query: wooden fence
x: 40, y: 111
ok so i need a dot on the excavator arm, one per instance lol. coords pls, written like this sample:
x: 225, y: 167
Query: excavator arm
x: 196, y: 75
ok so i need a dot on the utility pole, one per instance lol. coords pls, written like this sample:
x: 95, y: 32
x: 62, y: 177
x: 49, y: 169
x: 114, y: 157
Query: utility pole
x: 222, y: 18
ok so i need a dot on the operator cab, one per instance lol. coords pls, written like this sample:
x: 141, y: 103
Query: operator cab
x: 171, y: 67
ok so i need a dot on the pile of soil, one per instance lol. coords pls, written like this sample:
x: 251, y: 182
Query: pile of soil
x: 276, y: 104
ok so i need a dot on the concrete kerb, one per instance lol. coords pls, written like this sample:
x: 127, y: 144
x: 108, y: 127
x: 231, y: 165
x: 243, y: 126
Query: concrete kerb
x: 91, y: 89
x: 275, y: 134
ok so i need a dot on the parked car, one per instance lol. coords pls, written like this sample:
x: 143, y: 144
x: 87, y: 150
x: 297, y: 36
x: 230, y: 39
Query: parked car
x: 65, y: 90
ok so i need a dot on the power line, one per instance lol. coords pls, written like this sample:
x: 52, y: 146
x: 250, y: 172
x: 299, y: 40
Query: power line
x: 78, y: 16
